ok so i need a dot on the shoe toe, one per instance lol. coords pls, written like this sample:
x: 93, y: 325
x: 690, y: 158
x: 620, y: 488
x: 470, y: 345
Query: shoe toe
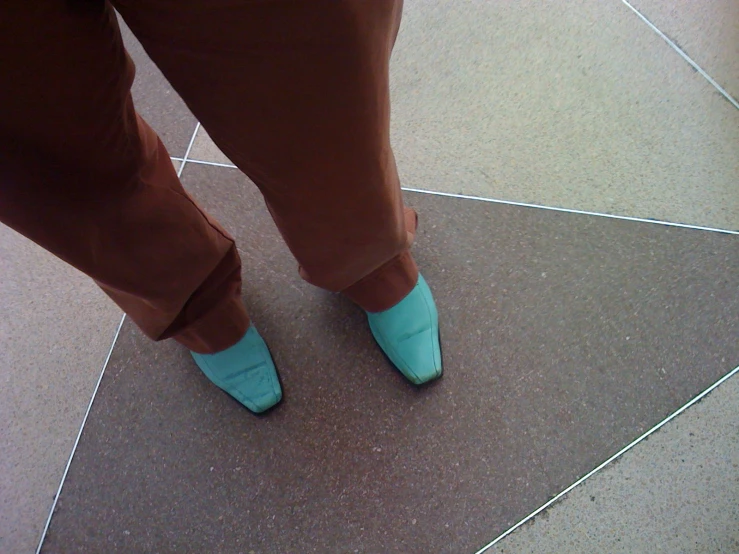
x: 418, y: 357
x: 408, y: 333
x: 258, y: 388
x: 262, y: 403
x: 245, y: 371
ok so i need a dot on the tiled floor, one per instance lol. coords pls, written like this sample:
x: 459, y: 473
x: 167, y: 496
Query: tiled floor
x: 566, y: 336
x: 575, y: 104
x: 55, y: 332
x: 676, y: 493
x: 574, y: 117
x: 707, y: 31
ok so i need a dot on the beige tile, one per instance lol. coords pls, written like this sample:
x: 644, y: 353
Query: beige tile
x: 204, y: 149
x: 176, y: 164
x: 708, y: 31
x: 55, y: 332
x: 575, y: 104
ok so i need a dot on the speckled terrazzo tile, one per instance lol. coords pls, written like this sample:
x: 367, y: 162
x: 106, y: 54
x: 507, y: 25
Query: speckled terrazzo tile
x: 707, y: 31
x: 575, y: 104
x: 674, y: 493
x: 565, y: 337
x: 56, y: 328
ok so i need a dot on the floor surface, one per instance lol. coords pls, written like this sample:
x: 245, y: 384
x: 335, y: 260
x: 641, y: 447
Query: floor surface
x: 566, y: 335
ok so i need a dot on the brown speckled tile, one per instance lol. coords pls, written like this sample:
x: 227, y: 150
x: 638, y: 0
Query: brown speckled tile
x: 565, y: 336
x: 676, y: 492
x: 157, y: 101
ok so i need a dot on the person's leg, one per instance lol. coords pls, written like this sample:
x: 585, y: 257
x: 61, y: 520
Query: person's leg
x: 296, y: 94
x: 86, y: 178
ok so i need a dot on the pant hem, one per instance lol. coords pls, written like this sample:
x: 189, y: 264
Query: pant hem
x: 386, y: 286
x: 221, y: 328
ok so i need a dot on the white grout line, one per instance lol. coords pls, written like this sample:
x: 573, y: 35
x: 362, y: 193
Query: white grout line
x: 187, y: 152
x: 609, y: 460
x: 571, y: 211
x: 218, y: 164
x: 97, y: 385
x: 79, y: 435
x: 684, y: 55
x: 527, y: 205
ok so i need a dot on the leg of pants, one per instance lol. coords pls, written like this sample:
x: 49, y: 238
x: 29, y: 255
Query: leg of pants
x: 84, y: 177
x: 296, y: 94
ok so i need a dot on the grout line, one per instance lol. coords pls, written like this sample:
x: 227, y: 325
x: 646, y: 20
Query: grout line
x: 97, y: 385
x: 609, y: 460
x: 219, y: 164
x: 572, y: 211
x: 175, y: 159
x: 527, y: 205
x: 187, y: 152
x: 79, y: 435
x: 687, y: 58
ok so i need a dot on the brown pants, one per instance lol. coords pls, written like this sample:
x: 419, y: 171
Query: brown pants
x: 295, y: 92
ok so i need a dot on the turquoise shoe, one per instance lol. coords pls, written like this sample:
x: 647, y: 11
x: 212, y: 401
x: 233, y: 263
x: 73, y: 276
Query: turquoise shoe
x: 408, y: 333
x: 245, y: 371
